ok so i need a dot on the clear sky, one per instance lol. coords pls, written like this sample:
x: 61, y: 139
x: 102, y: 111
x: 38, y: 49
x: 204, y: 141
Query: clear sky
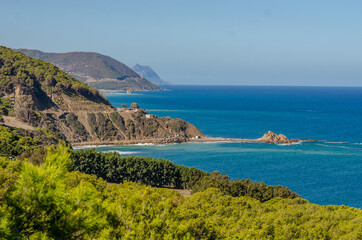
x: 202, y: 41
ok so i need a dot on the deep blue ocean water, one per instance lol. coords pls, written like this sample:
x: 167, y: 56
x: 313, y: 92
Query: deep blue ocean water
x: 325, y: 172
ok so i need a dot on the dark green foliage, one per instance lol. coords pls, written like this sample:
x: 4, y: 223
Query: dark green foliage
x: 116, y: 169
x: 78, y: 128
x: 9, y: 171
x: 6, y: 106
x: 190, y: 176
x: 19, y: 143
x: 14, y: 142
x: 245, y: 187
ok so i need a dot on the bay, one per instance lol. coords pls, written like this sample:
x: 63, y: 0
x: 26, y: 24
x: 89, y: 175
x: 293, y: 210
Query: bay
x: 328, y: 171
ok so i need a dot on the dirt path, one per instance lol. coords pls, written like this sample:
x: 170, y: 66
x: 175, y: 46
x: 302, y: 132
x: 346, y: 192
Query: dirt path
x: 13, y: 122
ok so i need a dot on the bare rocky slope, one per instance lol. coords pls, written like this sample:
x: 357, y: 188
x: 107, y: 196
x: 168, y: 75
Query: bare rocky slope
x: 97, y: 70
x: 44, y: 97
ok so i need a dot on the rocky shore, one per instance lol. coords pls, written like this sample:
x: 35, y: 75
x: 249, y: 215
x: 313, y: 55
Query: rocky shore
x: 268, y: 137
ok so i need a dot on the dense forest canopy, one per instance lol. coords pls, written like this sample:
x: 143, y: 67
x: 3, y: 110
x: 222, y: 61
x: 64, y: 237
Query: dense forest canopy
x: 163, y: 173
x: 47, y: 201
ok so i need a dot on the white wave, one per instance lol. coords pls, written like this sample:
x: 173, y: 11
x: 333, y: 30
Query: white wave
x: 210, y: 142
x: 123, y: 152
x: 292, y: 143
x: 88, y: 146
x: 143, y: 144
x: 150, y: 144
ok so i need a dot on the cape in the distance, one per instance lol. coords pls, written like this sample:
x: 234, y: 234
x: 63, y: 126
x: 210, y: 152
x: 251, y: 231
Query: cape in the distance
x: 97, y: 70
x: 148, y: 73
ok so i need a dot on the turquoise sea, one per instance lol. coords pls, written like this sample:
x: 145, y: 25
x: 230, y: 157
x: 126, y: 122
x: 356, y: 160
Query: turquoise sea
x: 328, y: 171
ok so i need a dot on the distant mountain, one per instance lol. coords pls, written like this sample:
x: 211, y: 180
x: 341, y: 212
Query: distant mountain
x: 97, y: 70
x: 148, y: 73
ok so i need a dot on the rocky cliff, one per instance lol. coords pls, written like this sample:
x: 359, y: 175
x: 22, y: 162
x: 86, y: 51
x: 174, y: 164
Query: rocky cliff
x: 45, y: 97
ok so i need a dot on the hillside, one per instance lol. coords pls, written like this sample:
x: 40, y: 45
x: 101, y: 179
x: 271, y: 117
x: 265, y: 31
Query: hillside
x: 148, y: 73
x: 41, y: 198
x: 41, y: 95
x: 97, y: 70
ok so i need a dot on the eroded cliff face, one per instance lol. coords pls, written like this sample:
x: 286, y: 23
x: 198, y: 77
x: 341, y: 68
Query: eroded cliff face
x: 81, y: 121
x: 114, y: 126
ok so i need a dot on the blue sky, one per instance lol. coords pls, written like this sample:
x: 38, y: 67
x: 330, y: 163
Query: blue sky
x: 202, y: 42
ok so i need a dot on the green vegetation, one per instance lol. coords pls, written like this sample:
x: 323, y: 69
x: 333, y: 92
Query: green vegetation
x: 158, y: 172
x: 17, y: 69
x: 101, y: 126
x: 150, y: 126
x: 6, y: 106
x: 77, y: 127
x: 116, y: 169
x: 14, y: 142
x: 118, y: 120
x: 46, y: 201
x: 134, y: 105
x: 177, y: 125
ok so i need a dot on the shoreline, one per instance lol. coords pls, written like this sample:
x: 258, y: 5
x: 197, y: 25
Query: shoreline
x: 184, y: 140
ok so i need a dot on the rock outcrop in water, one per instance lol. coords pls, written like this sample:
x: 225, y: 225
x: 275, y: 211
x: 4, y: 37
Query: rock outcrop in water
x: 271, y: 137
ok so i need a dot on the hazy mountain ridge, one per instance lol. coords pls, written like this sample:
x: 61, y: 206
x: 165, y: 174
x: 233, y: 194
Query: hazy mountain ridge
x: 97, y: 70
x: 43, y: 96
x: 148, y: 73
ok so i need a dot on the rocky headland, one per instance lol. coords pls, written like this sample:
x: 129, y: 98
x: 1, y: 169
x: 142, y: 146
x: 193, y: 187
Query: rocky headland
x: 36, y: 95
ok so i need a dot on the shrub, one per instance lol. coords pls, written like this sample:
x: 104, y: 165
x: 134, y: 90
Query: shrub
x: 134, y: 105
